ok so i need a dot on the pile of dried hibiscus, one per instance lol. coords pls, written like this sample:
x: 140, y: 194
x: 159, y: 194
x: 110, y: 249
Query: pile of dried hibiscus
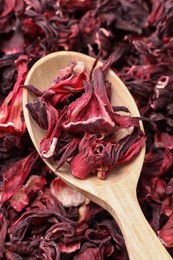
x: 40, y: 216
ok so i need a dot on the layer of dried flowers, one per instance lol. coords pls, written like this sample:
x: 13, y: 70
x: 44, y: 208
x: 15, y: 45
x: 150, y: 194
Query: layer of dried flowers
x: 41, y: 217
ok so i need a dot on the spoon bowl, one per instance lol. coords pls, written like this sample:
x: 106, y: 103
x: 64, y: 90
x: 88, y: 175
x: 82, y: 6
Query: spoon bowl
x: 117, y: 194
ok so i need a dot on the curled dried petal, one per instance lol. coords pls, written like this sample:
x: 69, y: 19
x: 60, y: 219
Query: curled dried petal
x: 11, y: 120
x: 16, y: 176
x: 65, y: 194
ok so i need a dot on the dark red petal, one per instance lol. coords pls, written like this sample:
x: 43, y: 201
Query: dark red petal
x: 69, y: 81
x: 131, y: 145
x: 3, y: 232
x: 49, y: 142
x: 22, y: 197
x: 66, y: 152
x: 166, y: 233
x: 50, y: 250
x: 38, y: 113
x: 88, y: 113
x: 16, y: 176
x: 74, y: 5
x: 91, y: 158
x: 90, y: 253
x: 11, y: 110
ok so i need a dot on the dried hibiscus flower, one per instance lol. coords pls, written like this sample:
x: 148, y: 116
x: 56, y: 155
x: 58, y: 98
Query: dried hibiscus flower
x: 16, y: 175
x: 81, y: 125
x: 11, y: 120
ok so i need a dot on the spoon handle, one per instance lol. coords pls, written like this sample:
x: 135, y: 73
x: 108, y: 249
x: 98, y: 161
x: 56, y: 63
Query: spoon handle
x: 141, y: 241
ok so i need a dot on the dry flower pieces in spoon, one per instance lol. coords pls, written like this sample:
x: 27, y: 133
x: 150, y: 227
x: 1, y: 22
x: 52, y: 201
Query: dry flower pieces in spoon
x: 82, y: 127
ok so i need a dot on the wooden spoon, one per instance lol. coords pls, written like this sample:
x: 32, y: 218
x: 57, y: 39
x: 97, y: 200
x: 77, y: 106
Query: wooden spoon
x: 117, y: 194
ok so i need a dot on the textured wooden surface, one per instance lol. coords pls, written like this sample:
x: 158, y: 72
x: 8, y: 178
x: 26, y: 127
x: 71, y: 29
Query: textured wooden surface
x: 117, y: 193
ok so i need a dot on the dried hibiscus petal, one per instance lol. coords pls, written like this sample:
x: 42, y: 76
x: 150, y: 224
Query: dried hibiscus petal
x: 21, y: 198
x: 68, y: 82
x: 16, y: 175
x: 74, y: 5
x: 49, y: 142
x: 39, y: 113
x: 98, y: 156
x: 93, y: 157
x: 11, y: 120
x: 89, y: 113
x: 65, y: 194
x: 3, y: 232
x: 91, y: 251
x: 166, y: 233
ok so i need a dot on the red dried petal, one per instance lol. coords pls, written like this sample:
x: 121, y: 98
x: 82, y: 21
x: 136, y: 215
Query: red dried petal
x: 89, y: 24
x: 49, y: 142
x: 65, y: 194
x: 11, y: 120
x: 91, y: 112
x: 92, y: 158
x: 34, y: 183
x: 50, y: 249
x: 3, y: 232
x: 39, y: 113
x: 169, y: 187
x: 167, y: 206
x: 19, y: 200
x: 70, y: 247
x: 90, y: 253
x: 157, y: 11
x: 73, y: 5
x: 166, y: 233
x: 67, y: 151
x: 8, y: 7
x: 16, y: 42
x: 159, y: 189
x: 167, y: 161
x: 68, y: 82
x: 132, y: 147
x: 89, y: 250
x: 16, y: 176
x: 22, y: 197
x: 164, y: 140
x: 98, y: 156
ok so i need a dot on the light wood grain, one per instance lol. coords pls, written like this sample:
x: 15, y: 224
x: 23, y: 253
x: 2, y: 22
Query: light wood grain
x: 117, y: 194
